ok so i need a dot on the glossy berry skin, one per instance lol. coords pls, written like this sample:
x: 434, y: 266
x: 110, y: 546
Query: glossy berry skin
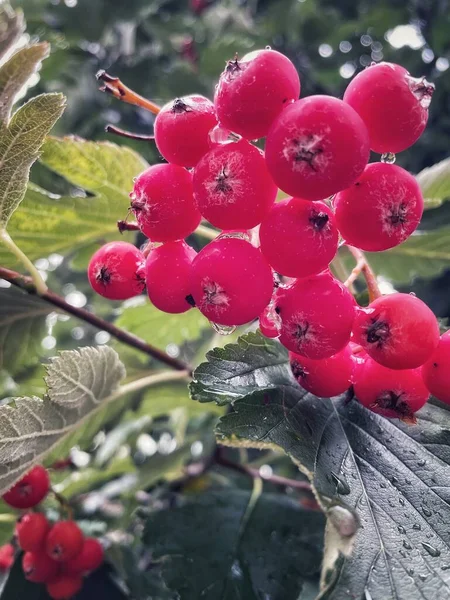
x: 163, y: 203
x: 232, y: 186
x: 30, y: 490
x: 436, y: 371
x: 398, y: 331
x: 298, y: 237
x: 64, y: 587
x: 388, y: 392
x: 392, y: 104
x: 31, y: 531
x: 116, y: 271
x: 182, y: 129
x: 64, y: 542
x: 380, y: 210
x: 316, y: 147
x: 269, y: 322
x: 231, y: 282
x: 6, y: 557
x: 317, y: 315
x: 38, y: 567
x: 89, y: 559
x: 167, y: 270
x: 254, y: 90
x: 324, y: 378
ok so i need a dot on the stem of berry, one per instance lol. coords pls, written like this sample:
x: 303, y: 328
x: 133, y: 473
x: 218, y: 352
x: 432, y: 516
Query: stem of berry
x: 129, y: 134
x: 65, y: 506
x: 362, y: 266
x: 127, y: 226
x: 39, y: 284
x: 113, y: 86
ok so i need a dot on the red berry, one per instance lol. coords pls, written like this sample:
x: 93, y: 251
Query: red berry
x: 64, y: 587
x: 324, y: 378
x: 436, y: 371
x: 392, y: 104
x: 254, y: 90
x: 30, y: 490
x: 64, y: 541
x: 6, y: 557
x: 317, y: 316
x: 163, y: 203
x: 381, y: 209
x: 299, y: 237
x: 168, y: 271
x: 231, y: 281
x: 388, y: 392
x: 232, y: 186
x: 399, y: 331
x: 38, y: 567
x: 31, y: 531
x: 316, y: 147
x: 116, y: 271
x: 182, y: 129
x: 89, y: 559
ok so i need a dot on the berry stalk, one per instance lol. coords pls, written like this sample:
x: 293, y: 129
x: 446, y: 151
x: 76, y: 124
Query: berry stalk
x: 362, y: 266
x: 39, y: 284
x: 113, y: 86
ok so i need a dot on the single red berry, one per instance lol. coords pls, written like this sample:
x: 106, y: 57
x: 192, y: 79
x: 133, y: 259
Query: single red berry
x: 168, y: 271
x: 6, y: 557
x: 116, y: 271
x: 163, y: 203
x: 38, y: 567
x: 30, y: 490
x: 254, y: 90
x: 64, y: 541
x: 31, y: 531
x: 89, y: 559
x: 182, y: 129
x: 380, y: 210
x: 317, y: 315
x: 392, y: 104
x: 298, y: 237
x: 64, y: 587
x: 324, y: 378
x: 316, y: 147
x: 232, y: 186
x: 231, y: 281
x: 398, y: 331
x: 388, y: 392
x: 436, y: 371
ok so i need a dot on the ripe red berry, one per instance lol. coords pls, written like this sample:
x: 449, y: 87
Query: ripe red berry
x: 31, y: 531
x: 436, y: 371
x: 392, y: 104
x: 182, y: 129
x: 232, y: 186
x: 168, y: 271
x: 254, y: 90
x: 163, y: 203
x: 89, y: 559
x: 316, y: 147
x: 64, y: 541
x: 388, y: 392
x: 30, y: 490
x: 324, y: 378
x: 231, y: 281
x: 399, y: 331
x: 6, y: 557
x: 64, y: 587
x: 38, y: 567
x: 317, y: 316
x: 116, y: 271
x: 298, y: 237
x: 381, y: 209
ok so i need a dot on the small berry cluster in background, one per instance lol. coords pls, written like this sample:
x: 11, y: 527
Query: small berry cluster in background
x: 57, y: 555
x: 271, y: 260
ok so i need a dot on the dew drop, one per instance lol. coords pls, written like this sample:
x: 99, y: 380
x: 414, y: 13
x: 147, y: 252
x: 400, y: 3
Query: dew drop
x: 426, y: 511
x: 268, y: 48
x: 342, y: 486
x: 422, y: 89
x: 239, y: 235
x: 394, y: 480
x: 389, y: 158
x: 407, y: 545
x: 423, y: 577
x: 422, y: 463
x: 401, y: 529
x: 417, y: 526
x: 411, y: 572
x: 432, y: 551
x: 223, y: 329
x: 445, y: 567
x: 401, y: 501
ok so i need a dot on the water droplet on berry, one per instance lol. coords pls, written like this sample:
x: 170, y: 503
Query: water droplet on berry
x: 388, y: 158
x: 223, y: 329
x: 240, y: 235
x: 422, y: 89
x: 219, y: 135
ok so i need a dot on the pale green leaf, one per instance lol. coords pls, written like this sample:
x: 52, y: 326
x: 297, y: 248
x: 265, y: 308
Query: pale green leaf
x: 12, y: 25
x: 435, y: 183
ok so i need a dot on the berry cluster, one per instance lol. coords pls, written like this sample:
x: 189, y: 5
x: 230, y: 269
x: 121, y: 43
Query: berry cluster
x: 271, y: 260
x: 56, y: 555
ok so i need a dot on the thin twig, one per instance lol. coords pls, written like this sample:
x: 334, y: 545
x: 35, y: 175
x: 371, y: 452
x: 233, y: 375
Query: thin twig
x: 26, y: 284
x: 129, y: 134
x: 113, y: 86
x: 362, y: 266
x: 38, y: 282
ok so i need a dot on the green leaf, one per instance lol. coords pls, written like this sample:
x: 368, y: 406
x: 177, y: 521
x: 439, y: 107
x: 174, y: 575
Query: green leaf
x: 20, y: 142
x: 12, y: 25
x: 211, y: 549
x: 435, y: 183
x: 79, y: 384
x: 390, y: 477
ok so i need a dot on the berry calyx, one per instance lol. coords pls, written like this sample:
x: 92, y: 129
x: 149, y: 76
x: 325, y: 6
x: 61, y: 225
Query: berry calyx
x: 89, y: 559
x: 64, y: 587
x: 6, y: 557
x: 116, y: 271
x: 436, y: 371
x: 38, y: 567
x: 30, y: 490
x: 64, y: 541
x: 31, y: 531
